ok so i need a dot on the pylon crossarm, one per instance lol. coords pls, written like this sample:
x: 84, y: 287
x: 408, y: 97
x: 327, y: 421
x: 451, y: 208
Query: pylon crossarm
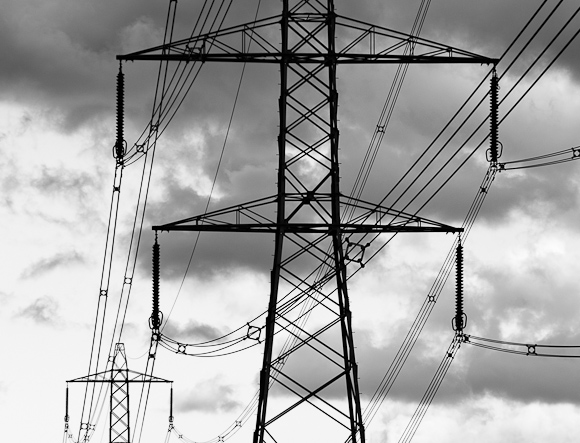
x: 226, y: 216
x: 385, y: 216
x: 108, y: 377
x: 310, y: 228
x: 382, y: 42
x: 195, y: 48
x: 370, y: 44
x: 252, y: 217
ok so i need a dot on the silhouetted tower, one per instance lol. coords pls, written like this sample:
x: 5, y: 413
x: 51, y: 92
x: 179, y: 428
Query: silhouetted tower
x: 119, y: 377
x: 309, y: 353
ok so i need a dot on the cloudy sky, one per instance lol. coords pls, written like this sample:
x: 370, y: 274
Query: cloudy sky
x: 57, y: 102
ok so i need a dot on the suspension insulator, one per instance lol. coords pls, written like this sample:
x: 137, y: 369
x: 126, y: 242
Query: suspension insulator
x: 120, y: 141
x: 494, y: 122
x: 460, y: 319
x: 171, y: 404
x: 156, y: 316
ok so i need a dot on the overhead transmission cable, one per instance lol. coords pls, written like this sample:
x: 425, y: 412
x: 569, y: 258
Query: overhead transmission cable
x: 431, y: 391
x: 563, y: 156
x: 150, y: 362
x: 440, y: 170
x: 215, y: 175
x: 86, y: 425
x: 176, y: 94
x: 104, y: 285
x: 387, y: 111
x: 466, y: 119
x: 128, y: 275
x: 419, y: 413
x: 527, y: 349
x: 476, y: 206
x: 147, y: 387
x: 526, y: 92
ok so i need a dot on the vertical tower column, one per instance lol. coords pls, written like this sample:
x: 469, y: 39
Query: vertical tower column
x: 119, y: 431
x: 315, y: 362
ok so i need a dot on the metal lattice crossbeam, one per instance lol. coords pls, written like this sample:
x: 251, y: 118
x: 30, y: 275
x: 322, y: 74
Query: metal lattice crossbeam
x: 356, y: 42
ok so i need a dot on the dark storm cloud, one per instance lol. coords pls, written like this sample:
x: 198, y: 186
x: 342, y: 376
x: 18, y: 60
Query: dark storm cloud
x: 49, y: 264
x: 43, y: 310
x: 489, y: 27
x: 62, y: 57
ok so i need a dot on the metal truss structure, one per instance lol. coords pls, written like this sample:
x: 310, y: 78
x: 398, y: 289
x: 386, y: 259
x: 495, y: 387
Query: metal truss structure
x: 309, y: 353
x: 119, y: 377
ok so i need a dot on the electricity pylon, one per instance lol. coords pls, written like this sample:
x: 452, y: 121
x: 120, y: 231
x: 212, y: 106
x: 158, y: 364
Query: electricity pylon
x: 309, y: 353
x: 119, y: 377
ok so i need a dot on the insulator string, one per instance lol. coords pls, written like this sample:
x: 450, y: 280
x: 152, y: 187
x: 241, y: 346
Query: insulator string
x: 494, y: 124
x: 120, y: 141
x: 460, y: 320
x: 156, y: 316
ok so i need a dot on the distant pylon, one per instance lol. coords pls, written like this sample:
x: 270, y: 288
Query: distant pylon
x: 119, y: 377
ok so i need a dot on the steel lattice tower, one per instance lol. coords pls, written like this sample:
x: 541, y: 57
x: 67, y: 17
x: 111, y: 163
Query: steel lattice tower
x: 119, y: 377
x: 309, y: 353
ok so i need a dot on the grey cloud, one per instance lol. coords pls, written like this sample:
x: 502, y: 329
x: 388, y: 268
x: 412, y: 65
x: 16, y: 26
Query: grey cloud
x: 52, y: 181
x: 192, y: 331
x: 532, y: 302
x: 43, y: 310
x: 46, y: 265
x: 210, y: 395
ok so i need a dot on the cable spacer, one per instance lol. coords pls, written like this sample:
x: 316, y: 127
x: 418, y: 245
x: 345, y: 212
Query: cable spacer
x: 252, y: 331
x: 531, y: 350
x: 350, y: 247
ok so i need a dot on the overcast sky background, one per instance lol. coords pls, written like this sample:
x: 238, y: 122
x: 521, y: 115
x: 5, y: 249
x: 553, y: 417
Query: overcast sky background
x: 57, y: 103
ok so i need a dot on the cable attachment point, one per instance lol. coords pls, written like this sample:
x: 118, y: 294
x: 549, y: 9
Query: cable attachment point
x: 493, y: 152
x: 460, y: 320
x: 120, y: 144
x: 156, y: 316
